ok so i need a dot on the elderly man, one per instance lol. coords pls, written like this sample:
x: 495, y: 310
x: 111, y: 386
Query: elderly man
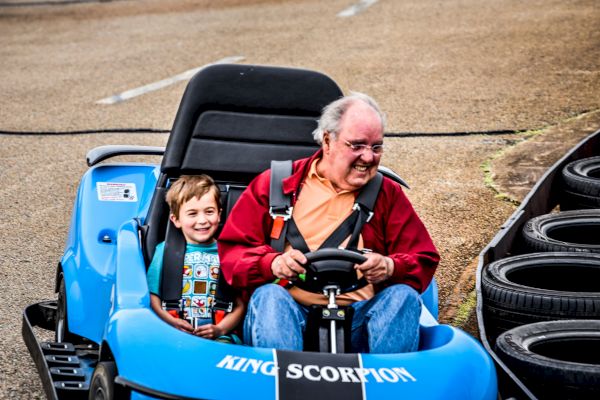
x: 401, y: 258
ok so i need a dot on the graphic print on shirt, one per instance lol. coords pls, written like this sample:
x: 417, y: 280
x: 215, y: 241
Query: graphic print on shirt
x: 200, y: 275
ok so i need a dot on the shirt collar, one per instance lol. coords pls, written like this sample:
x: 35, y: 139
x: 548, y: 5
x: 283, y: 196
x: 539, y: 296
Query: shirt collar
x: 313, y: 173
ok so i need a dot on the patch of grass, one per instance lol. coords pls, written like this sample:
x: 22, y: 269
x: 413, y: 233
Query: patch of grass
x: 488, y: 179
x: 465, y: 309
x: 486, y: 166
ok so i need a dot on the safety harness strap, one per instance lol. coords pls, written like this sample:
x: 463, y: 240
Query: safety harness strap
x: 295, y: 238
x: 172, y: 272
x: 280, y: 207
x: 352, y: 225
x: 363, y: 207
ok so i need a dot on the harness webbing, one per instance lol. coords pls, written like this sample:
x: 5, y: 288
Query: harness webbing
x: 279, y: 204
x: 352, y: 225
x: 171, y: 278
x: 173, y: 257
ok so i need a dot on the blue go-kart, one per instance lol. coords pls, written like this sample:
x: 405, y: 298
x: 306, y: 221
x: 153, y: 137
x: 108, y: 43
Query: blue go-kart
x: 232, y: 121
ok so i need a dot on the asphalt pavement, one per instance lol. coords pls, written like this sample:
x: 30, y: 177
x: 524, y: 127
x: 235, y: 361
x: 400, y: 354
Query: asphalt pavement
x: 496, y: 79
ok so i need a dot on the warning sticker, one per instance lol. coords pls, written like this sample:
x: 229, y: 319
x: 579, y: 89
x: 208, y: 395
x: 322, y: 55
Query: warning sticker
x: 113, y: 191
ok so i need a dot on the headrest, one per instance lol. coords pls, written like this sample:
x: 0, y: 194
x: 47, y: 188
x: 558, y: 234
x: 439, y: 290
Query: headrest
x: 235, y: 119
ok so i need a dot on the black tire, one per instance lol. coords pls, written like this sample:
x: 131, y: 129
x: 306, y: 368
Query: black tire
x: 62, y: 333
x: 540, y: 287
x: 576, y: 230
x: 556, y: 359
x: 577, y: 201
x: 583, y: 176
x: 103, y: 387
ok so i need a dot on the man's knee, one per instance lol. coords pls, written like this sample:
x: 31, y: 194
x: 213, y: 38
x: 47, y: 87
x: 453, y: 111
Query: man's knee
x: 270, y: 290
x: 400, y: 296
x: 270, y: 296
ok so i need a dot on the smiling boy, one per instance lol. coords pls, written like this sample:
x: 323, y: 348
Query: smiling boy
x: 195, y: 206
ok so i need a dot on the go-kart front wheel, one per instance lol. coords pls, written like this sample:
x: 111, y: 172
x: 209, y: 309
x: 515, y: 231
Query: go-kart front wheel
x: 61, y: 333
x: 103, y: 385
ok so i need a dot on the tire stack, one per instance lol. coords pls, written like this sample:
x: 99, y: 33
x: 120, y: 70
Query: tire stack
x: 581, y: 184
x: 542, y: 308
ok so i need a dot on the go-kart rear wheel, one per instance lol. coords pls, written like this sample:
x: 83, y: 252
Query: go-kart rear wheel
x: 103, y: 385
x: 61, y: 333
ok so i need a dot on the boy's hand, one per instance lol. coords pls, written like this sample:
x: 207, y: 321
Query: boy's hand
x: 182, y: 325
x: 209, y: 331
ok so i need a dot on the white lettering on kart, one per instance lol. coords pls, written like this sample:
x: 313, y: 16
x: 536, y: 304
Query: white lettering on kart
x: 243, y: 364
x: 317, y: 373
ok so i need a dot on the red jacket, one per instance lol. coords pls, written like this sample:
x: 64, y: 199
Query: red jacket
x: 395, y: 230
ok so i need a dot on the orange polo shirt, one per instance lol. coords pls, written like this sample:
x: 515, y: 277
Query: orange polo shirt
x: 318, y: 212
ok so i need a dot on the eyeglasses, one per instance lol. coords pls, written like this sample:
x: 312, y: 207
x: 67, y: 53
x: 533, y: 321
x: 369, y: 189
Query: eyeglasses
x: 357, y: 149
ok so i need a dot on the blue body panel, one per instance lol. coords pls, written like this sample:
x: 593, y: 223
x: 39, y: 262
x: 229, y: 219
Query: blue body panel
x: 89, y: 262
x: 108, y: 303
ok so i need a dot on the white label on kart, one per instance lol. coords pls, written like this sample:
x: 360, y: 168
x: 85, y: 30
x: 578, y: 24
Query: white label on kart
x: 113, y: 191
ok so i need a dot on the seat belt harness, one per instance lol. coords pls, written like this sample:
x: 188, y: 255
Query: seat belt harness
x: 284, y: 227
x: 280, y: 207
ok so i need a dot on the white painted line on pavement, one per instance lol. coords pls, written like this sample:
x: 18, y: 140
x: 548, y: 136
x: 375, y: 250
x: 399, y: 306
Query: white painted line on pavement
x: 128, y: 94
x: 357, y: 8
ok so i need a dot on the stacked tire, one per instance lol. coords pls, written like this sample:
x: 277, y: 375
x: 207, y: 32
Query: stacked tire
x: 542, y: 307
x: 569, y: 231
x: 540, y: 287
x: 581, y: 184
x: 557, y: 359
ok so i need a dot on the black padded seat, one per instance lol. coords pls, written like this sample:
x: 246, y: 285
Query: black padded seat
x: 232, y: 121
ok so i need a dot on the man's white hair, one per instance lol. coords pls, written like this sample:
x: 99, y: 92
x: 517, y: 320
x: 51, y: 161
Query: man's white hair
x: 333, y: 113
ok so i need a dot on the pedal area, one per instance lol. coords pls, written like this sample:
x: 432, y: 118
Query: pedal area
x: 71, y: 368
x: 65, y: 369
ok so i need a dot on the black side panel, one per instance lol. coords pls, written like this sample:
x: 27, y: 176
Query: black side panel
x: 298, y: 373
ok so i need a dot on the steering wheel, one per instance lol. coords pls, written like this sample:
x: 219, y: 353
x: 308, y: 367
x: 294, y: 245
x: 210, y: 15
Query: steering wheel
x: 332, y: 266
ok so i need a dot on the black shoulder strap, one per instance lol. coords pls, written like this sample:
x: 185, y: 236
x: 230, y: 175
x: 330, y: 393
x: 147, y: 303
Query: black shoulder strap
x: 279, y: 203
x: 363, y: 211
x: 280, y: 206
x: 173, y: 259
x: 365, y: 206
x: 225, y: 294
x: 368, y: 195
x: 295, y: 238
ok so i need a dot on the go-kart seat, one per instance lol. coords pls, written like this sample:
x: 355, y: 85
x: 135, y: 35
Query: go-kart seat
x: 232, y: 121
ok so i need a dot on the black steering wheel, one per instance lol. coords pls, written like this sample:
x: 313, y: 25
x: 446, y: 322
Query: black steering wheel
x: 330, y: 266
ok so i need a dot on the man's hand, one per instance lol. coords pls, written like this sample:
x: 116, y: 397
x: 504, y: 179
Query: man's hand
x: 377, y: 268
x: 288, y: 265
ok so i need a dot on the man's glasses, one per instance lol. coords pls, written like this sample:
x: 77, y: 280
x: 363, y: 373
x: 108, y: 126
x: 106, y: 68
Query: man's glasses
x: 357, y: 149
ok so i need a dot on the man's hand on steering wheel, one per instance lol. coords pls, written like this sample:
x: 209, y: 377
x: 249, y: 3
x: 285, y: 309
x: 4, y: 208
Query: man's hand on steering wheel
x: 289, y: 265
x: 377, y: 268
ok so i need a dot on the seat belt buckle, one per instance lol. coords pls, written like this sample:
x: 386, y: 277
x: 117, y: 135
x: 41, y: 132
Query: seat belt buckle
x: 279, y: 220
x: 174, y: 308
x: 357, y: 207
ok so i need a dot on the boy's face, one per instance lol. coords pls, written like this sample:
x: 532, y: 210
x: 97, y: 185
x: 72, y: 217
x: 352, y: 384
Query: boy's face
x: 198, y: 219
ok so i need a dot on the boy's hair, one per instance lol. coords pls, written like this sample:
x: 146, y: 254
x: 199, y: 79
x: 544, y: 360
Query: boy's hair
x: 189, y: 186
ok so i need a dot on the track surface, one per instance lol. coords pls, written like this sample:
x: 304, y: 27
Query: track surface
x: 453, y: 66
